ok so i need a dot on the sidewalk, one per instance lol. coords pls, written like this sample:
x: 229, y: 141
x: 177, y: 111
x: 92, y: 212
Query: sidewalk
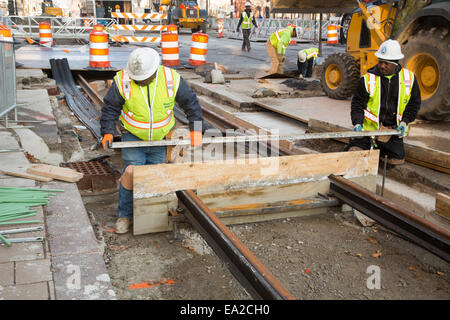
x: 68, y: 264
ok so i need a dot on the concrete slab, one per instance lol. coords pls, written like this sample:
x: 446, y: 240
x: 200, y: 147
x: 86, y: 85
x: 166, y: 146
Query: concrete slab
x: 81, y: 277
x: 35, y: 291
x: 5, y: 181
x: 68, y: 226
x: 21, y: 251
x: 11, y: 160
x: 269, y: 121
x: 27, y: 73
x: 6, y: 274
x: 33, y: 271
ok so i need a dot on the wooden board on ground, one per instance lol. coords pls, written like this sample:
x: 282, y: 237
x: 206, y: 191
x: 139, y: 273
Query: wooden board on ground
x: 245, y: 181
x: 442, y: 207
x: 25, y: 175
x: 58, y: 173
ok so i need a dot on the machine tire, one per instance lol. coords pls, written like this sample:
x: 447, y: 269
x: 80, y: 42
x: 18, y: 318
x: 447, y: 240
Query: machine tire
x: 349, y: 74
x: 432, y: 43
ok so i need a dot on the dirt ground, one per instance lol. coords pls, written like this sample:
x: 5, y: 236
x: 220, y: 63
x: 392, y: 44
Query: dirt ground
x: 324, y: 256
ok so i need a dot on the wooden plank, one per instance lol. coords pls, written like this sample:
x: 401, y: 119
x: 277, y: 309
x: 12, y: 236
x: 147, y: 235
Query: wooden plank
x: 26, y: 175
x: 246, y: 181
x: 160, y: 179
x: 59, y: 173
x: 442, y: 207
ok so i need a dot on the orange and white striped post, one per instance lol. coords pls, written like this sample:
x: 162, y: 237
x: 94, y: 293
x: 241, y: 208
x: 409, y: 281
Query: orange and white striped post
x: 332, y: 34
x: 169, y: 49
x: 98, y: 48
x: 5, y: 34
x: 45, y: 33
x: 199, y: 49
x: 220, y: 27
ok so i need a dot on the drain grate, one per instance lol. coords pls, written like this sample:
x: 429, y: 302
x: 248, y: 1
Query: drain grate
x: 98, y: 176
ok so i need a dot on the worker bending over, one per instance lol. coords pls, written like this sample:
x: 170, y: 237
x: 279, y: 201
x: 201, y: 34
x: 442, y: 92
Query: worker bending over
x: 305, y: 61
x: 276, y: 47
x: 246, y: 20
x: 388, y: 96
x: 143, y: 96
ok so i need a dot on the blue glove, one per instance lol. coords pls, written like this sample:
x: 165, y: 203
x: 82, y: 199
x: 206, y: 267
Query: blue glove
x: 357, y: 127
x: 402, y: 127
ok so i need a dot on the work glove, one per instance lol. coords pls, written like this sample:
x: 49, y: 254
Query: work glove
x: 357, y: 128
x: 107, y: 140
x: 196, y: 138
x: 402, y: 127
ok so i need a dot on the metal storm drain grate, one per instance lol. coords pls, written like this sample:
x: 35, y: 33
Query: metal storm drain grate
x: 98, y: 176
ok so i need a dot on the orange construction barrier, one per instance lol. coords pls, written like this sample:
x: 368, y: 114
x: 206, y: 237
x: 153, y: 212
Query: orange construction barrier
x: 45, y: 33
x: 332, y: 34
x: 220, y: 23
x: 169, y: 49
x: 199, y: 49
x: 98, y: 48
x: 5, y: 34
x: 172, y: 28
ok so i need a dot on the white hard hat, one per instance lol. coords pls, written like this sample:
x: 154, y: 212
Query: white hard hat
x: 389, y: 50
x: 248, y: 4
x: 302, y: 56
x: 142, y: 63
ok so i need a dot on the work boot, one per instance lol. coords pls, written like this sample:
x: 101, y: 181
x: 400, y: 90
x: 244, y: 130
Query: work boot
x: 355, y: 148
x: 395, y: 162
x: 248, y: 49
x: 123, y: 225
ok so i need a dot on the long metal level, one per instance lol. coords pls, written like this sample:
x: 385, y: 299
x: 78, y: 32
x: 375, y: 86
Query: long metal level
x: 255, y: 138
x: 243, y: 264
x: 405, y: 223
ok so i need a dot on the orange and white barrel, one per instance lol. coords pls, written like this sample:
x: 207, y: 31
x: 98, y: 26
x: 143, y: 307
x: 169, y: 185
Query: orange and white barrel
x: 199, y: 49
x: 172, y: 28
x: 45, y: 33
x: 169, y: 49
x: 98, y: 48
x: 5, y: 34
x: 332, y: 34
x: 220, y: 28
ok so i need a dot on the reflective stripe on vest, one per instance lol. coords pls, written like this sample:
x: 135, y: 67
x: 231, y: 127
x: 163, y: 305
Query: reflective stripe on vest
x: 139, y: 115
x: 312, y: 52
x: 247, y: 21
x: 373, y: 87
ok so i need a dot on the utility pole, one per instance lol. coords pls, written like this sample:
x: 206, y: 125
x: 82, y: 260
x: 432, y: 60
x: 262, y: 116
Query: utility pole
x: 231, y: 9
x: 12, y: 7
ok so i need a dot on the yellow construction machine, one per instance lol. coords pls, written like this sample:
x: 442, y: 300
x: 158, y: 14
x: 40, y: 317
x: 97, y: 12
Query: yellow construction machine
x: 421, y: 27
x: 48, y: 9
x: 186, y: 14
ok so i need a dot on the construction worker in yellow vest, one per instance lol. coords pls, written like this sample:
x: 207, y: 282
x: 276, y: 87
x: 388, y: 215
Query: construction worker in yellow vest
x: 246, y: 20
x: 143, y: 97
x: 387, y: 96
x: 276, y: 47
x: 305, y: 61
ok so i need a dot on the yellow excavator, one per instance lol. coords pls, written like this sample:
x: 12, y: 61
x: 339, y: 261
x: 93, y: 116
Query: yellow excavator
x: 48, y: 9
x: 186, y: 14
x: 421, y: 27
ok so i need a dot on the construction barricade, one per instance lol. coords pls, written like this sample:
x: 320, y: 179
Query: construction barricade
x: 220, y: 27
x: 134, y: 28
x: 332, y: 34
x: 199, y: 49
x: 45, y: 33
x: 169, y: 49
x: 98, y: 48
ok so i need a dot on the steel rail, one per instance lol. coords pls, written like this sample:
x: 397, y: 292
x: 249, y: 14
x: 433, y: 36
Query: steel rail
x: 242, y: 263
x: 418, y: 230
x: 256, y: 138
x: 95, y: 97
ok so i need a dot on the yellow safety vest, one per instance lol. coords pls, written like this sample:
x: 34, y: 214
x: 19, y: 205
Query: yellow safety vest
x: 276, y: 37
x: 149, y: 120
x: 311, y: 53
x: 373, y: 87
x: 246, y: 21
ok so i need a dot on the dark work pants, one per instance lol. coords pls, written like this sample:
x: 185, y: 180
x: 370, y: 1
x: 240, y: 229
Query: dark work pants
x: 246, y: 41
x: 393, y: 148
x: 305, y: 68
